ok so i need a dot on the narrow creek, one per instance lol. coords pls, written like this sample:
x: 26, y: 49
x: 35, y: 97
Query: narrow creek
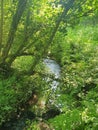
x: 53, y: 68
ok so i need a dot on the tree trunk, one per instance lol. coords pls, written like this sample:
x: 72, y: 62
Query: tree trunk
x: 16, y: 18
x: 25, y: 40
x: 64, y: 13
x: 1, y: 25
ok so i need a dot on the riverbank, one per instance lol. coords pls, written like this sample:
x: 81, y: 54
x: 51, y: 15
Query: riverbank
x: 30, y: 113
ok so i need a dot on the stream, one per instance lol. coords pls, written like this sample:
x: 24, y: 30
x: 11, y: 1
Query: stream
x: 54, y: 69
x: 19, y: 124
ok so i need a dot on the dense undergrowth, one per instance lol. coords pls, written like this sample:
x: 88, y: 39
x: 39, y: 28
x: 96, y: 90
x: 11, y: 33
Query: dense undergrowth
x: 79, y: 79
x: 15, y: 93
x: 77, y: 54
x: 66, y: 32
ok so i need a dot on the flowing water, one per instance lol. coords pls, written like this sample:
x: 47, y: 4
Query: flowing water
x: 54, y: 69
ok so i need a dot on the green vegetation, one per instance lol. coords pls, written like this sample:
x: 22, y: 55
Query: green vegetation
x: 67, y: 32
x: 79, y: 80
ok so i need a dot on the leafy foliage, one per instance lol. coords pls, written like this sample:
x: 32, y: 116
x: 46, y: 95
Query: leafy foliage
x: 79, y: 80
x: 31, y: 30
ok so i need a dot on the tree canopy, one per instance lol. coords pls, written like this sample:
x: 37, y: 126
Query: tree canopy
x: 64, y: 31
x: 29, y: 27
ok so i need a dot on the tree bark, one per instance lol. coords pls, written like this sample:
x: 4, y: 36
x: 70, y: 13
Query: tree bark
x: 1, y: 25
x: 16, y: 18
x: 64, y: 13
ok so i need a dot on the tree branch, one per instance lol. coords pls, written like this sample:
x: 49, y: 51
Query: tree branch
x: 64, y: 13
x: 24, y: 54
x: 16, y: 18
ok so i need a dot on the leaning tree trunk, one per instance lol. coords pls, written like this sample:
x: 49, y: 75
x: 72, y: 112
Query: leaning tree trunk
x: 5, y: 68
x: 1, y: 25
x: 67, y: 7
x: 25, y: 40
x: 16, y: 19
